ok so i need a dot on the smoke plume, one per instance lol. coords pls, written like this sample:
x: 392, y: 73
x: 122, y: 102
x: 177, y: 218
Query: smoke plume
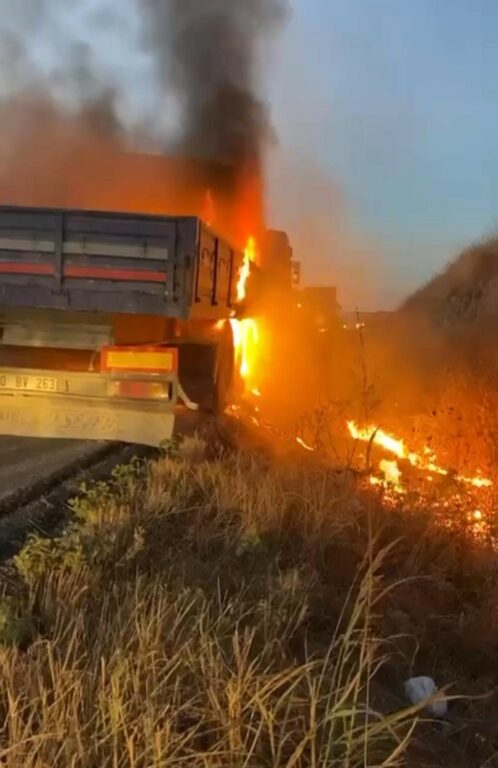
x: 64, y: 71
x: 92, y: 80
x: 209, y: 52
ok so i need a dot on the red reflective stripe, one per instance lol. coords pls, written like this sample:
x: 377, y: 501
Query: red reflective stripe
x: 24, y: 268
x: 103, y: 273
x: 162, y: 352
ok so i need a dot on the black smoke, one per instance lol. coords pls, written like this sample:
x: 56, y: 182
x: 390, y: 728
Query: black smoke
x: 67, y: 76
x: 210, y: 52
x: 72, y: 80
x: 207, y: 52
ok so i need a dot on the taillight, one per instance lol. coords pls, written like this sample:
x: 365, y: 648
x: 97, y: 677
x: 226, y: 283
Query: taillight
x: 140, y: 390
x: 140, y: 373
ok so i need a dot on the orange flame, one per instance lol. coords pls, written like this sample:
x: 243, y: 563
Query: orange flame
x: 245, y: 270
x: 427, y: 461
x: 246, y: 341
x: 392, y: 476
x: 301, y: 442
x: 209, y: 212
x: 246, y: 332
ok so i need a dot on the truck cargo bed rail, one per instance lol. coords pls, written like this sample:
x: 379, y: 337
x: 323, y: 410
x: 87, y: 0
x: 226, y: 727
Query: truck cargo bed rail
x: 118, y: 263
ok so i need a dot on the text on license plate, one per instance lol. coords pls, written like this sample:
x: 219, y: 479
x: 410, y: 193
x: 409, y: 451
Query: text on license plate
x: 28, y: 383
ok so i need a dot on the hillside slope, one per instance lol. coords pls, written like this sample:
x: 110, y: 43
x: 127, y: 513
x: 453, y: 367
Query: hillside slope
x: 465, y: 292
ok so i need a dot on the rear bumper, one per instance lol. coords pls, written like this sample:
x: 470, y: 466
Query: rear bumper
x: 84, y: 406
x: 86, y: 419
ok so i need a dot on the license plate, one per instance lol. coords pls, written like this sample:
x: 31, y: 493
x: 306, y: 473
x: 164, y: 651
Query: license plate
x: 27, y: 383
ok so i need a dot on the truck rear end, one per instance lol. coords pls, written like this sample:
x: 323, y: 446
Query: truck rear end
x: 101, y: 317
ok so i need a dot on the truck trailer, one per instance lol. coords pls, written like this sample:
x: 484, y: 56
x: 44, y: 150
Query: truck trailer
x: 107, y: 318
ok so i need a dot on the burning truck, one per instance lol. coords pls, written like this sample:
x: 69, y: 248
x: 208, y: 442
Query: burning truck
x: 124, y: 278
x: 108, y: 318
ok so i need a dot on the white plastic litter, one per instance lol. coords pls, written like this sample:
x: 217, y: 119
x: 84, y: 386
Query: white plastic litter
x: 420, y: 689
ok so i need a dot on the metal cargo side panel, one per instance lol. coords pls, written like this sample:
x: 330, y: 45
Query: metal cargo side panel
x: 216, y: 277
x: 97, y: 262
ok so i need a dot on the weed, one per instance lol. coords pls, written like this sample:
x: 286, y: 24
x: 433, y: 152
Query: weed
x: 16, y: 624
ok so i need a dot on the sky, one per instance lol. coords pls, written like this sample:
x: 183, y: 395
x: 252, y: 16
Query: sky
x: 395, y: 101
x: 386, y: 123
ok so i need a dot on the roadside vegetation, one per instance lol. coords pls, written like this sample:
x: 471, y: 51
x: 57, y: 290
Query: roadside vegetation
x: 229, y: 610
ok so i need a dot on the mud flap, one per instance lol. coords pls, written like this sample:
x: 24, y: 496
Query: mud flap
x: 86, y: 419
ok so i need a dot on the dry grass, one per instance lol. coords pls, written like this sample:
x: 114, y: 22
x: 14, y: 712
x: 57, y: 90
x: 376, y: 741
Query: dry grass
x: 237, y: 612
x: 185, y: 619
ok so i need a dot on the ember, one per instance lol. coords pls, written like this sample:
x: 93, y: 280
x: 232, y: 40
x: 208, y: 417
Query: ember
x: 304, y: 445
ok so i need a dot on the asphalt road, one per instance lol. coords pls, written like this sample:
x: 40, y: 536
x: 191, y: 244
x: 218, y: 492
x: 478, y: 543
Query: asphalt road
x: 24, y: 461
